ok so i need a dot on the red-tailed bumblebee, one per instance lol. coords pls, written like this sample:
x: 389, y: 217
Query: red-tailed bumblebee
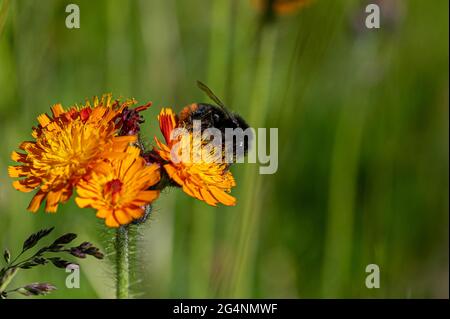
x: 216, y: 116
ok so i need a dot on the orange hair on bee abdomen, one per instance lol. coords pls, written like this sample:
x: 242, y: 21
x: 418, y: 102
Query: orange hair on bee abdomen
x: 186, y: 111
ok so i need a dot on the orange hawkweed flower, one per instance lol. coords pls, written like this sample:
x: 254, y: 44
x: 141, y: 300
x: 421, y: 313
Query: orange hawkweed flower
x: 118, y: 189
x: 205, y: 180
x: 66, y: 146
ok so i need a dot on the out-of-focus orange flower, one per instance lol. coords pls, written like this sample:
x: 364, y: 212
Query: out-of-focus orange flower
x: 66, y: 146
x: 281, y: 7
x: 205, y: 180
x: 118, y: 189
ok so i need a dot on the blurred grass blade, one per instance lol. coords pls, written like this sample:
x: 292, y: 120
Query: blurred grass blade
x: 4, y: 8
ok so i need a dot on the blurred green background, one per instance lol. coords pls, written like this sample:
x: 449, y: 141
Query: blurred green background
x: 363, y: 142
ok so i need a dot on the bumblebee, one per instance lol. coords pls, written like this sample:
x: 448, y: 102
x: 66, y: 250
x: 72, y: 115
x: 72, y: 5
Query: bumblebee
x: 215, y: 116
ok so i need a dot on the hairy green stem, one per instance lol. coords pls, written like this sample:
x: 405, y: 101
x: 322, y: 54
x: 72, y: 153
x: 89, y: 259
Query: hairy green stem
x: 122, y: 263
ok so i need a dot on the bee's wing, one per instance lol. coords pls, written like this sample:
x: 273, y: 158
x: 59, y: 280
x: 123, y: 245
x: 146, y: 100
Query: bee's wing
x: 213, y: 97
x: 210, y: 93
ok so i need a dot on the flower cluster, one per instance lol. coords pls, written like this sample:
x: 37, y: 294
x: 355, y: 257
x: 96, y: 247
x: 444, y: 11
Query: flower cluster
x: 71, y: 149
x: 93, y: 149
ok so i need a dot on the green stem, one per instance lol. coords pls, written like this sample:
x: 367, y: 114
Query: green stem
x: 7, y: 277
x: 122, y: 263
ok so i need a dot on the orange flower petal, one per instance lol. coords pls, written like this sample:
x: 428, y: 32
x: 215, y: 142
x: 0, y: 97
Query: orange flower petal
x: 208, y: 198
x: 167, y: 122
x: 83, y: 202
x: 222, y: 196
x: 173, y: 173
x: 36, y: 201
x: 111, y: 221
x: 18, y: 157
x: 43, y: 119
x: 52, y: 201
x: 26, y: 185
x: 103, y: 213
x: 146, y: 196
x: 122, y: 217
x: 135, y: 212
x: 57, y: 110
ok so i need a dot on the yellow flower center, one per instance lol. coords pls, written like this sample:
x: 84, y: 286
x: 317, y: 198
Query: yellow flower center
x: 69, y: 151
